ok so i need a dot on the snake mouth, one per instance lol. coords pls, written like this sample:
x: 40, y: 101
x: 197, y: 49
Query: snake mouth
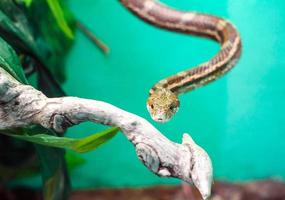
x: 160, y: 119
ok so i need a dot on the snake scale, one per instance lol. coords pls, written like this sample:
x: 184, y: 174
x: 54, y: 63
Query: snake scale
x: 163, y: 101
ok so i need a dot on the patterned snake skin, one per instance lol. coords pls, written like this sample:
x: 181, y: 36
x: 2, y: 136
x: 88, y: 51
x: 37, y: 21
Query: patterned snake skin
x: 163, y: 101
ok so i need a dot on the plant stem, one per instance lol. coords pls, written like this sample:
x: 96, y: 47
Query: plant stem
x: 101, y: 45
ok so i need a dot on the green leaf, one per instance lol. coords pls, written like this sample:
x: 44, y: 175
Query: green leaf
x: 28, y: 2
x: 10, y: 61
x: 34, y: 31
x: 79, y: 145
x: 51, y: 35
x: 15, y: 28
x: 74, y: 160
x: 22, y: 28
x: 56, y: 184
x: 59, y: 16
x: 93, y: 141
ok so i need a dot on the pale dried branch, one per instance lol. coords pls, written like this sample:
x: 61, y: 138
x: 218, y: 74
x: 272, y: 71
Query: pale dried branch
x: 22, y: 105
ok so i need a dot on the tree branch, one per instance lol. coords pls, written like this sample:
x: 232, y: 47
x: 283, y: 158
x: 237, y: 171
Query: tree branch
x: 22, y: 105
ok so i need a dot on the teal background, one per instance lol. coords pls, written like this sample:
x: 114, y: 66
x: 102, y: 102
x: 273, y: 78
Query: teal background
x: 239, y: 119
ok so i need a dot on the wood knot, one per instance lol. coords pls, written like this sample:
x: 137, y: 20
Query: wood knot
x: 148, y: 156
x: 60, y: 123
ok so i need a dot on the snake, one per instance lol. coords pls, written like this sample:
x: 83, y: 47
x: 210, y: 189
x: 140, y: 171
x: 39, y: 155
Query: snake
x: 163, y: 100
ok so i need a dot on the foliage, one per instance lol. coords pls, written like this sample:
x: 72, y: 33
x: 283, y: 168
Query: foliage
x: 82, y: 145
x: 37, y: 35
x: 59, y: 15
x: 51, y: 36
x: 10, y: 62
x: 27, y: 2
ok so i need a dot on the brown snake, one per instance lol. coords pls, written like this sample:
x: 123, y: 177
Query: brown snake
x: 163, y: 101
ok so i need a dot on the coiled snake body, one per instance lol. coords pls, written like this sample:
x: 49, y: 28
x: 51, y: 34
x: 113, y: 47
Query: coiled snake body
x: 163, y: 101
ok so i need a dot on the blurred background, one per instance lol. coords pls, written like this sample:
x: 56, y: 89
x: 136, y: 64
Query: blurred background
x: 239, y: 119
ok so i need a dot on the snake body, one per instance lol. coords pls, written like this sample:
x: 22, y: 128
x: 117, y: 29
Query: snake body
x: 163, y: 101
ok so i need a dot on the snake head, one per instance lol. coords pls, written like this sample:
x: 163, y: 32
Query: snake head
x: 162, y: 104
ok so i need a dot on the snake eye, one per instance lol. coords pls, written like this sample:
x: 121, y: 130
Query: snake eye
x: 172, y: 107
x: 151, y: 106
